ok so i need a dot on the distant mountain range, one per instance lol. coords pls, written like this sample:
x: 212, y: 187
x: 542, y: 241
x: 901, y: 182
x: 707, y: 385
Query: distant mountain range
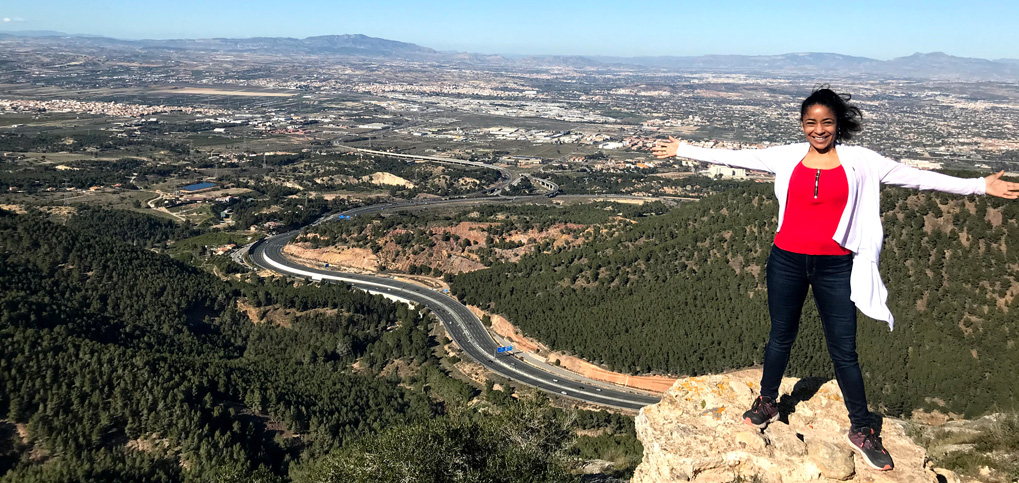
x: 340, y: 45
x: 935, y: 65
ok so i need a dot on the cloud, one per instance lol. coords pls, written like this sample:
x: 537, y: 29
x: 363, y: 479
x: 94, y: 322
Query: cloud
x: 14, y: 19
x: 7, y: 19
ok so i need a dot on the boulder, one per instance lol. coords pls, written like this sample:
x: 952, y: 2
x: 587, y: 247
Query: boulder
x: 696, y: 433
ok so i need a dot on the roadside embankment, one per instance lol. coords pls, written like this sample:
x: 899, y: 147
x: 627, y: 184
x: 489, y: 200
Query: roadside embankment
x: 503, y: 327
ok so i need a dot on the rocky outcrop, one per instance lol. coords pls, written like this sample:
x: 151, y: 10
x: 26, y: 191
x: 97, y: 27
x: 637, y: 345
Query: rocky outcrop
x: 355, y: 258
x: 696, y: 433
x: 383, y: 178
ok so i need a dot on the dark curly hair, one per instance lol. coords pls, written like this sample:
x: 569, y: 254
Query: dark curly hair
x: 848, y: 118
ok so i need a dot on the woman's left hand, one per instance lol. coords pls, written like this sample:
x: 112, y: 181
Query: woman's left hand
x: 665, y: 149
x: 1001, y: 188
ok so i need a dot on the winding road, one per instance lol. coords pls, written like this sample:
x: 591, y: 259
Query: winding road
x: 461, y: 324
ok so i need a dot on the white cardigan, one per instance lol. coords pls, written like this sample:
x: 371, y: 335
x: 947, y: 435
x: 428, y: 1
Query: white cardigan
x: 859, y: 229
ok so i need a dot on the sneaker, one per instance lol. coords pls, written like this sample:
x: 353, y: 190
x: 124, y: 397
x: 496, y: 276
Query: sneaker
x: 764, y: 411
x: 868, y: 444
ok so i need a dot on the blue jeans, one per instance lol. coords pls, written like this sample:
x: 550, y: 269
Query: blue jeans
x: 789, y: 275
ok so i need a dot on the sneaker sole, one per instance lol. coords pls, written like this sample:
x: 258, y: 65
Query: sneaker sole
x: 762, y: 425
x: 863, y: 456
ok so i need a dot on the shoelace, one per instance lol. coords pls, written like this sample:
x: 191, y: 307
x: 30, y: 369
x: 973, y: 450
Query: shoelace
x: 873, y: 441
x: 758, y: 405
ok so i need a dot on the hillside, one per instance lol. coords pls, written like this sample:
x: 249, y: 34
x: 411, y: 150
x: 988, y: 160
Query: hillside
x: 458, y: 240
x: 120, y: 363
x: 683, y: 294
x: 123, y: 364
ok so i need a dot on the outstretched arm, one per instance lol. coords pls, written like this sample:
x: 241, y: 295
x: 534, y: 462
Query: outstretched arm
x: 910, y: 177
x: 755, y: 159
x: 1001, y: 188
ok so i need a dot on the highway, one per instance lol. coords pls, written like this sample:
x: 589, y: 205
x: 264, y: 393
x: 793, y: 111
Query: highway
x: 461, y: 324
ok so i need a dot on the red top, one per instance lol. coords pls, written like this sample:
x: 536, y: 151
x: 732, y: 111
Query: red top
x: 816, y: 200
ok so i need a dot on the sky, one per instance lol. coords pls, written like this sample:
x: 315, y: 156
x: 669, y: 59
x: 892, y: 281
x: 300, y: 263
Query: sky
x: 876, y: 29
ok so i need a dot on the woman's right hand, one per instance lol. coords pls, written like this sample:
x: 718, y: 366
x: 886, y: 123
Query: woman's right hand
x: 665, y: 149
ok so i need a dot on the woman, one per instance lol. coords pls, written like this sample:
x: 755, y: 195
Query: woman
x: 829, y: 238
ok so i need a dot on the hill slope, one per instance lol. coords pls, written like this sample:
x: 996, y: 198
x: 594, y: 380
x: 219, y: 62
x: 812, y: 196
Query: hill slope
x: 120, y: 364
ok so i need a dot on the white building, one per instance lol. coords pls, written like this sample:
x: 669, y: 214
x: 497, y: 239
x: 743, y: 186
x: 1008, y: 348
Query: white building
x: 716, y: 170
x: 919, y: 163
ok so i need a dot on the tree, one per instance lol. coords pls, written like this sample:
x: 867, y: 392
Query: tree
x: 527, y: 442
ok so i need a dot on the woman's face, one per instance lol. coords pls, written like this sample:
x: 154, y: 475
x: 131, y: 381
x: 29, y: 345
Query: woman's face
x: 819, y: 127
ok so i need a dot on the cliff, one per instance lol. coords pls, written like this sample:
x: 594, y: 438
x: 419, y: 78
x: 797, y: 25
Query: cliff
x: 696, y: 433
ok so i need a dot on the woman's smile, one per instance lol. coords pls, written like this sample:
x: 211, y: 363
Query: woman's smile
x: 819, y: 126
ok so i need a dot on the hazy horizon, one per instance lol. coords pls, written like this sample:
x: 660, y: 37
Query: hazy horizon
x: 978, y: 29
x: 35, y: 33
